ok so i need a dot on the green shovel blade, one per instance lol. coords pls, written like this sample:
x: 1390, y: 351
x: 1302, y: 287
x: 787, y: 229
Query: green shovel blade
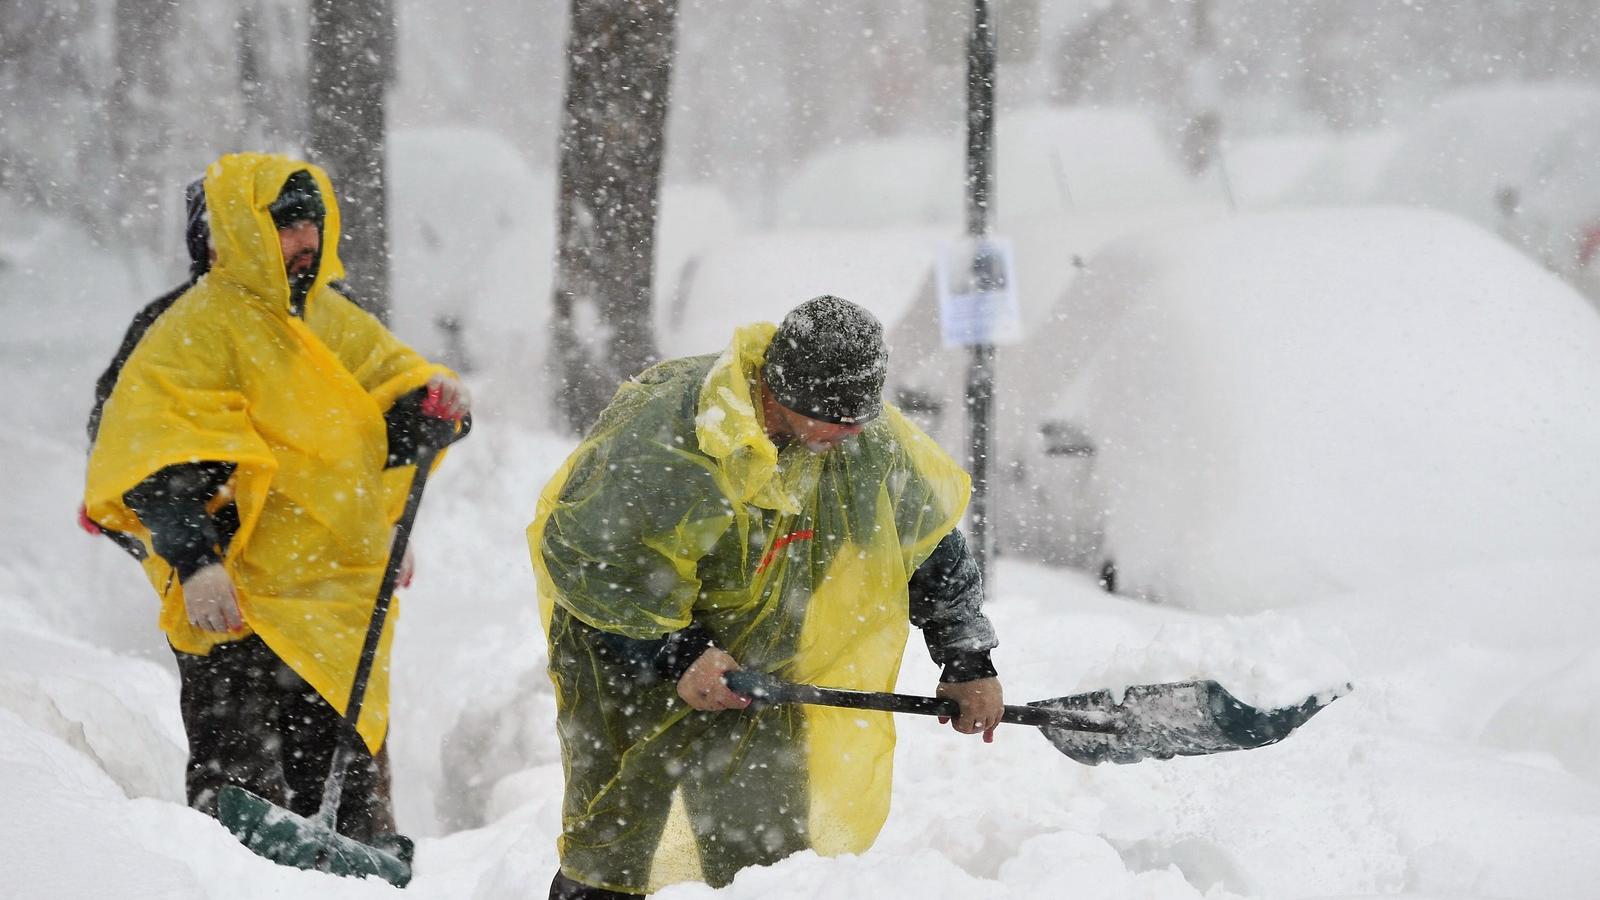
x: 288, y: 839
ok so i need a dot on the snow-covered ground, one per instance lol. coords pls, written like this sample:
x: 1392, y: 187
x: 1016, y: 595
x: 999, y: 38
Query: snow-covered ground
x: 1462, y: 766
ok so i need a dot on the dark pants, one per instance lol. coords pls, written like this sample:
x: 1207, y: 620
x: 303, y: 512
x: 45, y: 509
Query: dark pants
x: 252, y: 721
x: 564, y: 888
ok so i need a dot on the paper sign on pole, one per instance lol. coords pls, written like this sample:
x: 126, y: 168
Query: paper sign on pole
x: 978, y: 293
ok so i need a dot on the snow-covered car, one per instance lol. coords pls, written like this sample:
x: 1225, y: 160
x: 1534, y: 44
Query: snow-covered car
x: 1287, y: 406
x: 760, y: 277
x: 929, y: 380
x: 1049, y: 161
x: 1345, y: 172
x: 1520, y: 160
x: 473, y: 237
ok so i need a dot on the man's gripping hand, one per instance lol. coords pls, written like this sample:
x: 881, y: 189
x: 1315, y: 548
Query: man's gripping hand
x: 447, y: 398
x: 702, y: 687
x: 210, y: 601
x: 982, y: 704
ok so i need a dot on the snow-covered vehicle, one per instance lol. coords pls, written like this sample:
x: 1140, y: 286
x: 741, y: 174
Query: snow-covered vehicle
x: 1345, y: 172
x: 1518, y: 160
x: 758, y: 278
x: 473, y: 238
x: 929, y: 380
x: 1050, y: 161
x: 1282, y: 407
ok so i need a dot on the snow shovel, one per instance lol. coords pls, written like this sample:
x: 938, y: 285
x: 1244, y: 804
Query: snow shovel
x: 1160, y: 721
x: 290, y: 839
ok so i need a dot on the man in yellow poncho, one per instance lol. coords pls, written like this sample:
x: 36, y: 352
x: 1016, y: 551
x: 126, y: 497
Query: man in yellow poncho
x: 258, y: 443
x: 765, y: 509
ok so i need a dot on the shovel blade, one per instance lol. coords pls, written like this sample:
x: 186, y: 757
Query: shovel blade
x: 1186, y: 718
x: 290, y: 839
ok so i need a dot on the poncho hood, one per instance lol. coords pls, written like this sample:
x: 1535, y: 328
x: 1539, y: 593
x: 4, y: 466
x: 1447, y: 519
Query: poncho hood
x: 239, y: 189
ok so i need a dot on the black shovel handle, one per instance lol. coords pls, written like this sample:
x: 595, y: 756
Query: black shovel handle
x: 437, y: 434
x: 440, y: 433
x: 763, y: 688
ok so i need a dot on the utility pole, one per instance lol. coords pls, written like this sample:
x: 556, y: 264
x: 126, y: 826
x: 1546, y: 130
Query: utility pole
x: 980, y: 181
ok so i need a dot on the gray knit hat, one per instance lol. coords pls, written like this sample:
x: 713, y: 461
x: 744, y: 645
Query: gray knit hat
x: 828, y: 361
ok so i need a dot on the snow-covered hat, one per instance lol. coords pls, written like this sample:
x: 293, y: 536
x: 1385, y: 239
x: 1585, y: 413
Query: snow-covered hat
x: 828, y: 361
x: 300, y: 200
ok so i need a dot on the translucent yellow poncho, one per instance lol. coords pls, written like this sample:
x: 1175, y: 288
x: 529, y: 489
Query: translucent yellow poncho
x: 297, y: 405
x: 677, y: 507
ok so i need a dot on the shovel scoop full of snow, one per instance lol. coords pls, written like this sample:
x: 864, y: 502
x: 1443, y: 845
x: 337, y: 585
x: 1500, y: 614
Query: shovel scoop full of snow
x: 1185, y: 718
x: 310, y: 843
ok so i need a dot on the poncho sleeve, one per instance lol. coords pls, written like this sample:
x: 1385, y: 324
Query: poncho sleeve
x: 622, y: 536
x: 385, y: 366
x: 177, y: 401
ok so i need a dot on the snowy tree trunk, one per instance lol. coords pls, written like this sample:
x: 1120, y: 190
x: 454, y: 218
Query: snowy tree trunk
x: 613, y: 138
x: 138, y: 118
x: 351, y: 66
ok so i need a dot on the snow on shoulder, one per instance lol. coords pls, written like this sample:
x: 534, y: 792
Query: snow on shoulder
x: 1300, y: 404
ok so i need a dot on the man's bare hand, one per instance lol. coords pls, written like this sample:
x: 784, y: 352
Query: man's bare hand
x: 982, y: 704
x: 701, y: 686
x: 210, y: 601
x: 454, y: 400
x: 408, y: 566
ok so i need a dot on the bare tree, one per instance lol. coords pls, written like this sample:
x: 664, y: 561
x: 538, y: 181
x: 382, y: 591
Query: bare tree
x: 351, y: 67
x: 619, y: 67
x: 139, y: 115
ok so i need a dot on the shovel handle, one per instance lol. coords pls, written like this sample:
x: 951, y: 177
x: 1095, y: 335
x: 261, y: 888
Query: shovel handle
x: 438, y: 434
x: 763, y: 688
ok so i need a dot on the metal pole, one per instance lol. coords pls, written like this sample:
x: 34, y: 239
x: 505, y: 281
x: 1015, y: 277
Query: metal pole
x: 980, y: 179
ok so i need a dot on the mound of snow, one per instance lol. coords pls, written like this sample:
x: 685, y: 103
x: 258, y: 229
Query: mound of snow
x: 1516, y: 159
x: 1049, y: 161
x: 472, y: 237
x: 760, y: 278
x: 1299, y: 404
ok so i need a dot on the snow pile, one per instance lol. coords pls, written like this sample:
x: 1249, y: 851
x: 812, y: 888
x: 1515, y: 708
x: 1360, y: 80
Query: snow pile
x: 1049, y: 161
x: 907, y: 180
x: 694, y: 219
x: 472, y: 238
x: 473, y: 235
x: 1297, y: 405
x: 1261, y: 171
x: 1345, y: 172
x: 1086, y: 160
x: 1516, y: 159
x: 760, y: 278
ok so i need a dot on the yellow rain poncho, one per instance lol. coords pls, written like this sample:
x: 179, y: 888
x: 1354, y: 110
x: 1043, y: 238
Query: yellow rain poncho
x: 297, y: 404
x: 678, y: 508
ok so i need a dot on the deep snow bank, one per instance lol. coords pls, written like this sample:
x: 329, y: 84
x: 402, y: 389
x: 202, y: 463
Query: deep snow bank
x: 1293, y: 405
